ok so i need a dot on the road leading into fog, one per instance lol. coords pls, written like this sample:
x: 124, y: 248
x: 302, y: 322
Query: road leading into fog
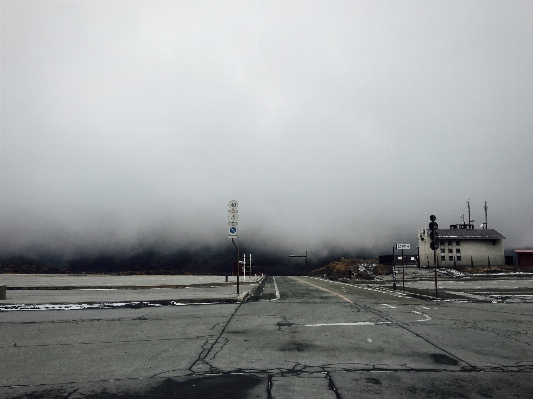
x: 297, y: 337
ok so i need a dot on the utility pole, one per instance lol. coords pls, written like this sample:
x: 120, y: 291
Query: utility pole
x: 486, y: 208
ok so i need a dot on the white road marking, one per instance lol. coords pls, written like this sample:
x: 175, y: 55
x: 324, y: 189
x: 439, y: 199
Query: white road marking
x: 390, y: 306
x: 276, y: 287
x: 368, y: 323
x: 423, y: 314
x: 359, y: 323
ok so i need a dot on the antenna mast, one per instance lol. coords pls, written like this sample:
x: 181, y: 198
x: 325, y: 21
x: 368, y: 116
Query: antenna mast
x: 486, y: 207
x: 469, y: 221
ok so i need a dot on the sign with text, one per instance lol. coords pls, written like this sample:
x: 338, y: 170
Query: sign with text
x: 403, y: 246
x: 233, y: 216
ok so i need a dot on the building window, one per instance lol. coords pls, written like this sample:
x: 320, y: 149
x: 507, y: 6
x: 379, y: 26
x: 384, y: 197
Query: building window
x: 450, y: 243
x: 451, y: 258
x: 458, y: 250
x: 457, y: 243
x: 442, y: 249
x: 450, y: 250
x: 458, y: 258
x: 443, y: 258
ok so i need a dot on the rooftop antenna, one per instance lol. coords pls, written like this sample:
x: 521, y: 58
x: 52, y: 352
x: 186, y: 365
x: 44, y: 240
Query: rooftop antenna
x: 486, y: 207
x: 469, y: 221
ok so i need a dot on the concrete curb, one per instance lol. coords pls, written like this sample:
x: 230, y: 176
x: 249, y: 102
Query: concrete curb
x: 243, y: 296
x: 121, y: 287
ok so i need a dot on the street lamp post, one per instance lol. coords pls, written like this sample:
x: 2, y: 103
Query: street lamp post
x: 301, y: 256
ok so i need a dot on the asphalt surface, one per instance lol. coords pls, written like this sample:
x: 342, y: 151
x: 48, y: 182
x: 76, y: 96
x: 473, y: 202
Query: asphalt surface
x: 296, y: 337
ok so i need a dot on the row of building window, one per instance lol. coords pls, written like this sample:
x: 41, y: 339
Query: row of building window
x: 450, y: 250
x: 450, y: 258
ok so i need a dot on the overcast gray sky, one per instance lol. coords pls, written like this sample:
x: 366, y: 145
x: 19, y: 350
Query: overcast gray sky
x: 133, y: 124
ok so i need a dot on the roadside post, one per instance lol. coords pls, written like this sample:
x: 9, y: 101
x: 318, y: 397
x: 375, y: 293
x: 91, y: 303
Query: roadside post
x: 233, y: 217
x: 393, y: 269
x: 402, y: 247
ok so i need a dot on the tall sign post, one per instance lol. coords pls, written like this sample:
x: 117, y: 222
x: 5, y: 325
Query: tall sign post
x: 233, y: 217
x: 402, y: 247
x: 434, y: 245
x: 393, y: 269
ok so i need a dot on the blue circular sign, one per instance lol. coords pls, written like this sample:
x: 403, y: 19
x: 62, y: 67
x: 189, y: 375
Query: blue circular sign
x: 233, y: 230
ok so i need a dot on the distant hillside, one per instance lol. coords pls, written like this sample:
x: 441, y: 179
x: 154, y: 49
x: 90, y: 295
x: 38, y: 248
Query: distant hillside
x: 362, y: 268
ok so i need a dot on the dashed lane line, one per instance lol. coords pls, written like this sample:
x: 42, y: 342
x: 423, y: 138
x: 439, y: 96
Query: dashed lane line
x: 325, y: 289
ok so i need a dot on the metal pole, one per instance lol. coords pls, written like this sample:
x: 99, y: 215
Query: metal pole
x: 403, y: 272
x: 486, y: 207
x: 435, y: 263
x: 244, y: 267
x: 301, y: 256
x: 393, y: 269
x: 238, y: 265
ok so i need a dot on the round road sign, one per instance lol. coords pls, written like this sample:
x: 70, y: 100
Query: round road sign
x: 233, y: 217
x: 233, y: 205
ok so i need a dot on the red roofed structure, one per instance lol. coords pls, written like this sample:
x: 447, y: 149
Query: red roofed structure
x: 525, y: 257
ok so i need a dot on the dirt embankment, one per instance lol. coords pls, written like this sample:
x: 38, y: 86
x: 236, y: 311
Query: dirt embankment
x: 360, y: 269
x: 495, y: 269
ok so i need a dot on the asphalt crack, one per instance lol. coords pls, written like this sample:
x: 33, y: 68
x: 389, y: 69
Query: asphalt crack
x: 331, y: 386
x: 200, y: 362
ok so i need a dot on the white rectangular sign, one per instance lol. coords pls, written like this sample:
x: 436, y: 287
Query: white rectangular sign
x: 403, y: 246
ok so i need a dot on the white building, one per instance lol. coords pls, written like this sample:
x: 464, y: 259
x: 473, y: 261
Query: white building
x: 462, y: 245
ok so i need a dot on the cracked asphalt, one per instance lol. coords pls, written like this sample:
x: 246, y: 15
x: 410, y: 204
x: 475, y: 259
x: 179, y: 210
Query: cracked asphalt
x: 296, y: 337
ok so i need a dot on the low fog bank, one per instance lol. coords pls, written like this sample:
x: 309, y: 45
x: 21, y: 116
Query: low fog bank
x: 207, y: 259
